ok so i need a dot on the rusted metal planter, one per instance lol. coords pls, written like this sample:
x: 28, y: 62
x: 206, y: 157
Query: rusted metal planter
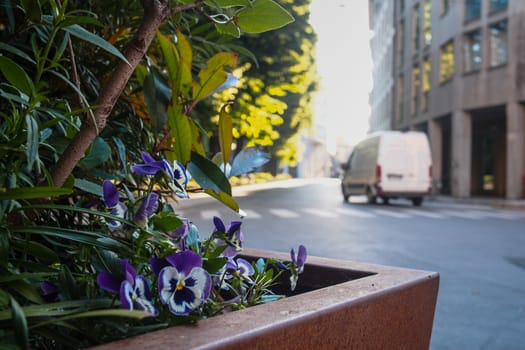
x: 340, y: 305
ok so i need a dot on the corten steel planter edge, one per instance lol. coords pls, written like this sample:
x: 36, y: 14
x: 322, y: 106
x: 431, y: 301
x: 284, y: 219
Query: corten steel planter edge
x: 385, y: 307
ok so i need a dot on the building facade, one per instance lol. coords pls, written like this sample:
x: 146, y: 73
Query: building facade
x: 459, y: 75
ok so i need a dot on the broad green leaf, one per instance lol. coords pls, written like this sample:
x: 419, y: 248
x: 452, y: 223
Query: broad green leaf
x: 178, y: 58
x: 32, y: 10
x: 33, y: 192
x: 94, y: 39
x: 213, y: 75
x: 157, y: 97
x: 228, y: 3
x: 99, y: 153
x: 166, y: 221
x: 180, y: 142
x: 229, y: 29
x: 264, y: 15
x: 19, y: 324
x: 225, y: 133
x: 208, y: 175
x: 214, y: 265
x: 225, y: 199
x: 15, y: 75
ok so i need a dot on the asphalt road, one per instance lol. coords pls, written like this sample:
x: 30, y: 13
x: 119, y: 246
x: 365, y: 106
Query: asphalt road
x: 478, y: 250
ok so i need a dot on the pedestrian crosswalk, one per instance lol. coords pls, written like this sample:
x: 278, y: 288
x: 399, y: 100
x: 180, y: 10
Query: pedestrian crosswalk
x: 372, y: 212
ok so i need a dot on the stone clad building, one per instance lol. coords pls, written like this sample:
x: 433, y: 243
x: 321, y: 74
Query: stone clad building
x: 458, y: 73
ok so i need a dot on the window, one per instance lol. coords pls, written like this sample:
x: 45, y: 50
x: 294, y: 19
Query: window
x: 400, y: 43
x: 414, y: 106
x: 472, y: 10
x: 427, y: 23
x: 497, y: 5
x: 426, y: 84
x: 416, y: 29
x: 472, y: 51
x: 498, y: 44
x: 444, y: 7
x: 446, y: 62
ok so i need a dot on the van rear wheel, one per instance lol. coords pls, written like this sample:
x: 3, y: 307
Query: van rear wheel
x: 345, y: 195
x: 371, y: 199
x: 417, y: 201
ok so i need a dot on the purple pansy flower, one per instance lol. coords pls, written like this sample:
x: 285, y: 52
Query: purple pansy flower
x: 234, y: 236
x: 111, y: 201
x: 301, y: 258
x: 184, y: 285
x: 147, y: 209
x: 49, y: 291
x: 133, y: 289
x: 177, y: 173
x: 240, y: 267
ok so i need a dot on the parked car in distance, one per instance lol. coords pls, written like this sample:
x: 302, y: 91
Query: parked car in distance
x: 389, y: 164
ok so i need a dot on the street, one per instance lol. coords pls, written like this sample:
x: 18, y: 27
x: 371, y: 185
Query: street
x: 477, y: 249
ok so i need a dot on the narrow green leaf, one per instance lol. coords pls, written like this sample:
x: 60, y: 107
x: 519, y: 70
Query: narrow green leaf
x: 89, y: 187
x: 208, y: 175
x: 15, y: 51
x: 157, y: 97
x: 264, y: 15
x: 225, y: 133
x: 33, y: 192
x: 59, y: 308
x: 19, y: 324
x: 181, y: 136
x: 72, y: 20
x: 36, y: 250
x: 27, y: 291
x: 225, y: 199
x: 121, y: 149
x: 4, y: 249
x: 32, y: 141
x: 94, y: 39
x: 15, y: 75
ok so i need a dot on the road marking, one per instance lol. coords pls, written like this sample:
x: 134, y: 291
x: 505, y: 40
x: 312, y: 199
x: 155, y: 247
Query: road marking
x: 466, y: 214
x: 251, y: 214
x: 209, y: 214
x: 284, y: 213
x: 321, y: 213
x: 391, y: 213
x: 354, y: 212
x: 423, y: 213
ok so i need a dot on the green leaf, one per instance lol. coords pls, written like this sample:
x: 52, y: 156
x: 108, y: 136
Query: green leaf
x: 178, y: 58
x: 121, y: 149
x: 228, y: 29
x: 33, y: 192
x: 99, y: 153
x: 67, y: 283
x: 208, y: 175
x: 213, y: 75
x: 225, y: 133
x: 89, y: 187
x: 32, y: 141
x: 157, y: 97
x: 32, y: 10
x: 214, y: 265
x: 19, y: 324
x: 72, y: 20
x: 94, y: 39
x: 166, y: 221
x: 36, y: 250
x: 26, y: 290
x: 15, y: 75
x: 225, y: 199
x: 228, y: 3
x: 264, y: 15
x: 15, y: 51
x: 181, y: 136
x: 4, y: 249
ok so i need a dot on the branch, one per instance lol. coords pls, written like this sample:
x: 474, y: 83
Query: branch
x: 155, y: 13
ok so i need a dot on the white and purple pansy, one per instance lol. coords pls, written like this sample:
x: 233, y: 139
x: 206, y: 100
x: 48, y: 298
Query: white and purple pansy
x: 111, y: 201
x: 133, y: 289
x: 184, y: 285
x: 239, y: 267
x: 233, y: 238
x: 178, y: 175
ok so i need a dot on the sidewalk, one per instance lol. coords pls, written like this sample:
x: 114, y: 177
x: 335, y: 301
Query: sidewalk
x: 518, y: 204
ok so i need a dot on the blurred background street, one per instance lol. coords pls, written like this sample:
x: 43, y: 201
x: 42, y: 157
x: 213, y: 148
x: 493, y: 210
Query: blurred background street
x: 476, y: 246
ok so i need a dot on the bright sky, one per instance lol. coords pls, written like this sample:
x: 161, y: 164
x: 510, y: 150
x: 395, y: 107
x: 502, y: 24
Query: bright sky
x: 344, y: 64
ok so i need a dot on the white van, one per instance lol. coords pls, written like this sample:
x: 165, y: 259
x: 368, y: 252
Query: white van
x: 389, y: 164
